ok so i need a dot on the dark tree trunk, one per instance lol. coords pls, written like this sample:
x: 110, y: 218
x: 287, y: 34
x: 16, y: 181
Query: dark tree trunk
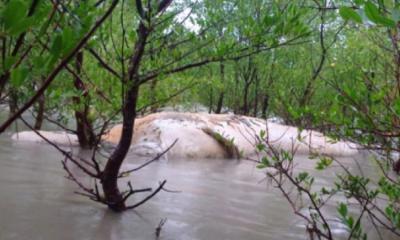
x: 222, y: 93
x: 255, y: 110
x: 245, y: 108
x: 264, y: 107
x: 109, y: 178
x: 40, y: 113
x: 3, y: 80
x: 85, y: 133
x: 211, y: 101
x: 249, y: 75
x: 220, y: 103
x: 13, y: 101
x: 236, y: 100
x: 112, y: 194
x: 211, y: 96
x: 309, y: 88
x: 265, y: 103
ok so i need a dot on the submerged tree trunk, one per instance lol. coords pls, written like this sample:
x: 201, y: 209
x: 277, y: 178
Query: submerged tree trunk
x: 85, y: 133
x: 112, y: 195
x: 109, y: 178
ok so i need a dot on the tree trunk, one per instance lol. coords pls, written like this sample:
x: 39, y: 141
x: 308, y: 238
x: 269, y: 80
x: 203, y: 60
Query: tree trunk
x: 249, y: 76
x: 111, y: 191
x: 109, y: 178
x: 236, y: 100
x: 265, y: 104
x: 13, y: 101
x: 245, y: 109
x: 85, y: 133
x: 222, y: 93
x: 211, y: 101
x: 220, y: 103
x: 40, y: 113
x: 264, y: 107
x: 309, y: 88
x: 211, y: 95
x: 255, y: 110
x: 3, y: 80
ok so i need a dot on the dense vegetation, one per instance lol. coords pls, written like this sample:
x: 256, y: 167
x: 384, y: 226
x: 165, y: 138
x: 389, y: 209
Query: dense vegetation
x: 317, y: 64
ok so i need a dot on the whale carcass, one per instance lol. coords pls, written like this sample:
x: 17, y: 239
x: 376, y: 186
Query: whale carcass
x: 202, y: 135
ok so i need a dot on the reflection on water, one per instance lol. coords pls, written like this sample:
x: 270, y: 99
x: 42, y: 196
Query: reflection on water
x: 219, y: 199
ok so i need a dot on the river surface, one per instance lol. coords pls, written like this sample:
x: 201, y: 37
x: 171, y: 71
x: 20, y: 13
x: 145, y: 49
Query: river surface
x: 218, y: 199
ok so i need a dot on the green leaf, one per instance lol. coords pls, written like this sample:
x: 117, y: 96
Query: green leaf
x: 21, y: 26
x: 260, y: 147
x: 325, y: 191
x: 323, y: 163
x: 350, y: 222
x: 13, y: 13
x: 262, y: 134
x: 56, y: 47
x: 270, y: 20
x: 342, y: 209
x: 358, y: 2
x: 41, y: 15
x: 18, y: 76
x: 265, y: 162
x: 373, y: 14
x: 9, y: 62
x: 348, y: 13
x: 302, y: 176
x: 261, y: 166
x: 68, y: 40
x: 86, y: 23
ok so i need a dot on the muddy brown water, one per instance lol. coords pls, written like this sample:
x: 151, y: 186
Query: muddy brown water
x: 218, y: 199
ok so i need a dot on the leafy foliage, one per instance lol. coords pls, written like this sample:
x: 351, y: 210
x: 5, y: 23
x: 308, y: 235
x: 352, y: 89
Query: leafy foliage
x: 326, y: 65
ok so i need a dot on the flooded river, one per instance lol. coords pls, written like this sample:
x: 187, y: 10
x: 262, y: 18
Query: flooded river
x: 218, y: 199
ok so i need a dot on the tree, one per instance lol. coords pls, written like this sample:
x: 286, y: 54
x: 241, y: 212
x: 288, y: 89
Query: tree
x: 52, y: 67
x: 360, y: 96
x: 150, y: 18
